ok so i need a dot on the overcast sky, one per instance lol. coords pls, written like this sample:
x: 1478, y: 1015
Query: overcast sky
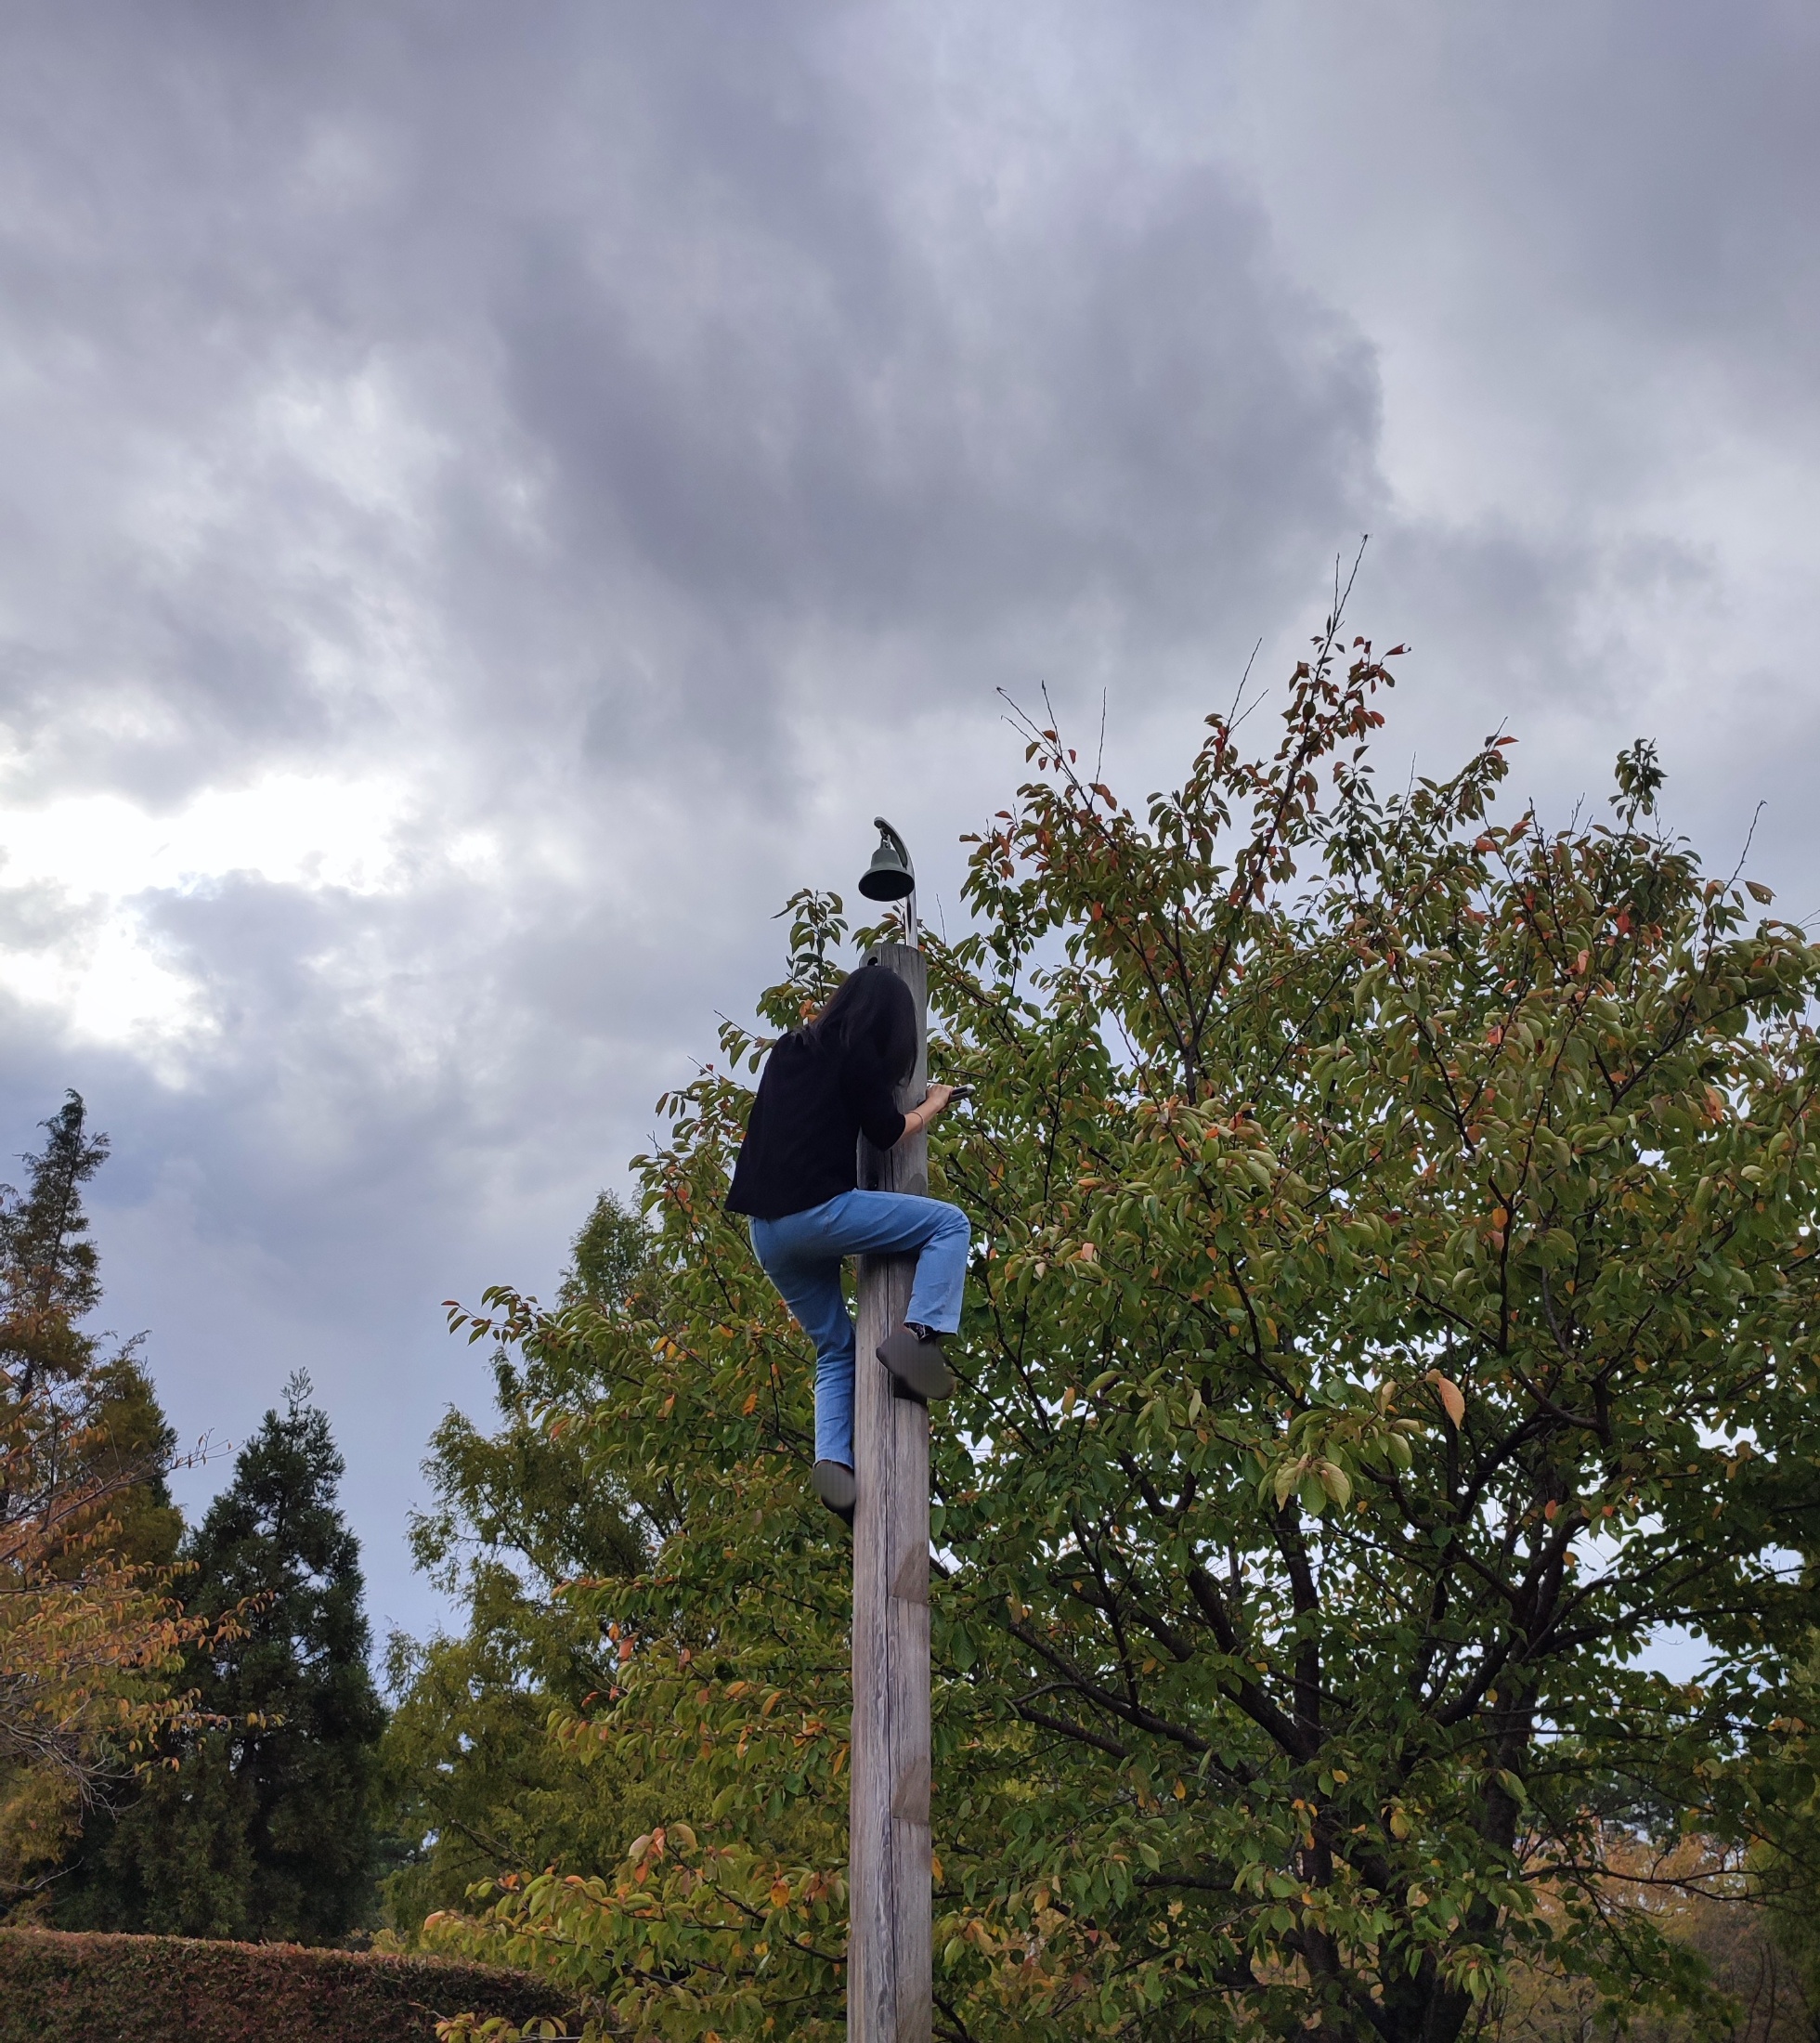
x: 492, y: 498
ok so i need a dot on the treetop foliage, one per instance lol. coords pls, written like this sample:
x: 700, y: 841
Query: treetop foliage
x: 49, y: 1272
x: 608, y: 1255
x: 516, y: 1515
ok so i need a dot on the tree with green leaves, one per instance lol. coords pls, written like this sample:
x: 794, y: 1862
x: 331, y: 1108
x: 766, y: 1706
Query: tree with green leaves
x: 476, y: 1783
x: 265, y: 1828
x: 1396, y: 1303
x: 1785, y: 1863
x: 610, y: 1253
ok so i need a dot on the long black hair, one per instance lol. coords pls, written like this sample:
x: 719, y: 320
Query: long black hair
x: 872, y: 1014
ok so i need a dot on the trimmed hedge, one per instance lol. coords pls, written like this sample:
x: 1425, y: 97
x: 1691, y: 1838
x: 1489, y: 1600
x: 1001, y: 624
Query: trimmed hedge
x: 58, y: 1987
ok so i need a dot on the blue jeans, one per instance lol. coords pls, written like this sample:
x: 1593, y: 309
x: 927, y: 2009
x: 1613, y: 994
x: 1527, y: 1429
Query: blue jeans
x: 801, y: 1256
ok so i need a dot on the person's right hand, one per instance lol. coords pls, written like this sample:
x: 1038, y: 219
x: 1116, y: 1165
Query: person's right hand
x: 934, y: 1100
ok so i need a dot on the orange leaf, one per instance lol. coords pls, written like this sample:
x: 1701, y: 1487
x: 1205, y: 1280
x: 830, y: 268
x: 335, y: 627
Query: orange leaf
x: 1452, y: 1403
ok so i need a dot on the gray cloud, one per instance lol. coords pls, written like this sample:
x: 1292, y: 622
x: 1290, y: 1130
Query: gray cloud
x: 597, y: 455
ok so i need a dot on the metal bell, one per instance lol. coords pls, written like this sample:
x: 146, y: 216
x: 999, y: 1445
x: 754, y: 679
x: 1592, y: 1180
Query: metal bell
x: 890, y: 875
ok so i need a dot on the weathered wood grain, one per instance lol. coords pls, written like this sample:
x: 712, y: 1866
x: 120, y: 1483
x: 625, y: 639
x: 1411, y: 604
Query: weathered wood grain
x: 889, y: 1969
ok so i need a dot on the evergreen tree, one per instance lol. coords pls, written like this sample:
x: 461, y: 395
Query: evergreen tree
x: 89, y: 1638
x: 49, y: 1273
x: 129, y: 1436
x: 91, y: 1416
x: 265, y: 1828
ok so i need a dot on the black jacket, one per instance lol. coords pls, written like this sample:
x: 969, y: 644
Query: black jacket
x: 800, y: 1146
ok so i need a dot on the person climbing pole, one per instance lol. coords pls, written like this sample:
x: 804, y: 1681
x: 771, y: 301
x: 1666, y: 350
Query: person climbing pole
x: 796, y: 1180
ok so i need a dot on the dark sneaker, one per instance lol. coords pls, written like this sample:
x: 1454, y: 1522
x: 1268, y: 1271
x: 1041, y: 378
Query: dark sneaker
x: 834, y: 1486
x: 916, y: 1365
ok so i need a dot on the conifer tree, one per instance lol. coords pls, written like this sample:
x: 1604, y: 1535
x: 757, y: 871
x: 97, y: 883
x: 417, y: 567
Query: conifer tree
x: 265, y: 1829
x: 89, y: 1638
x: 49, y: 1273
x: 91, y: 1417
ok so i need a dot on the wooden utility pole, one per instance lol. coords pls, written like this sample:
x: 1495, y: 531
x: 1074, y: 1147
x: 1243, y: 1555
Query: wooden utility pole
x: 889, y: 1974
